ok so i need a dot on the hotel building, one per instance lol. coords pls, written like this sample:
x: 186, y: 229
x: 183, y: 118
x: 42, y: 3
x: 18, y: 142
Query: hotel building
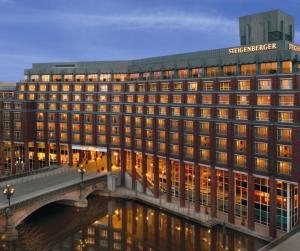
x: 216, y: 130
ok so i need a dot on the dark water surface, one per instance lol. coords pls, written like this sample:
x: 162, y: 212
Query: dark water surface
x: 109, y: 224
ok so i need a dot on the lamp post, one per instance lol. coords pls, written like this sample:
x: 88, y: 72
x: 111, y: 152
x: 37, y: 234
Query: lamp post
x: 8, y: 191
x: 81, y: 171
x: 19, y: 165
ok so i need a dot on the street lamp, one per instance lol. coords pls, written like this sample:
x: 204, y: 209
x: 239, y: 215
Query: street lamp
x: 8, y: 191
x: 81, y: 171
x: 19, y: 165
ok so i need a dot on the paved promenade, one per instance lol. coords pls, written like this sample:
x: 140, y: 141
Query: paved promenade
x: 35, y: 185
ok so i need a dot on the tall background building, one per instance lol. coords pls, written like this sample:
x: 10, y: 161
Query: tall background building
x: 217, y: 131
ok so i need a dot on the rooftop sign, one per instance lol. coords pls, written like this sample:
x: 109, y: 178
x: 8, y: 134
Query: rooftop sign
x: 294, y: 47
x: 252, y: 48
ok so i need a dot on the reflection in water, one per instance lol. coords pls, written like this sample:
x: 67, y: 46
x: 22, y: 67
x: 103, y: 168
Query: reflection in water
x: 122, y: 225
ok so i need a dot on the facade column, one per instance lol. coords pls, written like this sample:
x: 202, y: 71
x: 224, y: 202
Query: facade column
x: 169, y: 181
x: 35, y: 157
x: 58, y: 153
x: 272, y: 225
x: 133, y: 170
x: 156, y: 176
x: 213, y: 192
x: 13, y: 159
x: 250, y: 201
x: 123, y: 166
x: 26, y: 157
x: 108, y: 160
x: 70, y: 155
x: 144, y: 172
x: 197, y: 187
x: 231, y: 197
x: 182, y: 183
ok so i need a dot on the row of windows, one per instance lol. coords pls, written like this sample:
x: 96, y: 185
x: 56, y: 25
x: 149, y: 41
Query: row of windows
x: 239, y: 114
x: 226, y: 85
x: 222, y: 99
x: 229, y: 70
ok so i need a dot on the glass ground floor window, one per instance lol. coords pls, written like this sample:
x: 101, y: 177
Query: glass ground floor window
x: 52, y: 154
x: 222, y: 190
x: 41, y: 155
x: 64, y: 154
x: 241, y: 195
x: 261, y: 200
x: 175, y: 178
x: 150, y: 170
x: 287, y: 205
x: 205, y: 186
x: 128, y: 161
x: 162, y: 175
x: 189, y: 182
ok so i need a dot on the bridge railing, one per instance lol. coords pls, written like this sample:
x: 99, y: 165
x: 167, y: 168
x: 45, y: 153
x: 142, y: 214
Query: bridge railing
x: 24, y: 174
x: 56, y: 192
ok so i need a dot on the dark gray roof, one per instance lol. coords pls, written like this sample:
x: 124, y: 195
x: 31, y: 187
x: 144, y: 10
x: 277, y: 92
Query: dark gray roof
x: 178, y: 61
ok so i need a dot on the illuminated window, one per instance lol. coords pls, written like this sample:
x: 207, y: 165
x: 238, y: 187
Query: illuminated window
x: 103, y: 88
x: 192, y: 86
x: 263, y: 99
x: 248, y: 69
x: 261, y: 148
x: 212, y: 71
x: 286, y: 117
x: 244, y: 85
x: 264, y: 84
x: 240, y: 160
x: 261, y: 164
x: 196, y: 72
x: 221, y: 143
x: 222, y: 190
x: 261, y: 132
x: 261, y: 200
x: 191, y: 99
x: 286, y: 84
x: 68, y: 78
x: 92, y: 77
x: 163, y: 98
x: 221, y: 128
x: 90, y: 88
x: 243, y: 99
x: 66, y: 88
x: 240, y: 145
x: 268, y: 68
x: 225, y: 86
x: 205, y: 112
x: 208, y: 86
x: 206, y: 99
x: 45, y: 78
x: 284, y: 167
x: 284, y: 134
x: 224, y: 99
x: 284, y: 151
x: 262, y: 115
x: 286, y: 100
x: 221, y: 157
x: 105, y: 77
x: 241, y: 114
x: 287, y: 67
x: 241, y: 195
x: 222, y: 113
x: 43, y: 88
x: 229, y: 70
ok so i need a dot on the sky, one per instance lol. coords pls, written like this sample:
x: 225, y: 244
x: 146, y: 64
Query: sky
x: 33, y: 31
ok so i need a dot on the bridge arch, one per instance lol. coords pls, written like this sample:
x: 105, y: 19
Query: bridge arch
x: 20, y: 215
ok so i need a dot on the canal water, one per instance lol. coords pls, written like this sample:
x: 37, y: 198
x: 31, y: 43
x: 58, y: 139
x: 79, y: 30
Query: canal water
x: 110, y: 224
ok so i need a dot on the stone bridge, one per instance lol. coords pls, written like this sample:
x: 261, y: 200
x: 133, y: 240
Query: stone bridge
x: 33, y: 192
